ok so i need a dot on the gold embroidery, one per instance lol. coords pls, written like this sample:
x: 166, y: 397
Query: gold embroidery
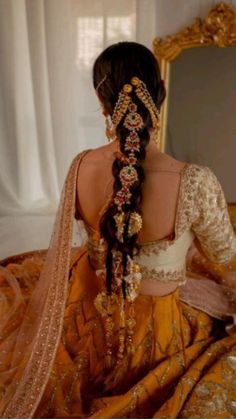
x: 209, y: 394
x: 148, y: 249
x: 97, y: 251
x: 163, y: 275
x: 212, y: 225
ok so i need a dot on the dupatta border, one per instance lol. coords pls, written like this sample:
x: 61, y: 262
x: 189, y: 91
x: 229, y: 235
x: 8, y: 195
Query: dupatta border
x: 36, y: 374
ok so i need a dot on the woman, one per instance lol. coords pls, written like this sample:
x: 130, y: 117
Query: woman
x: 117, y: 329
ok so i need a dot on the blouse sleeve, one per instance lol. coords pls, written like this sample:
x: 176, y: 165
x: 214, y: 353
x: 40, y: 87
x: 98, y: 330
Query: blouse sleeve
x: 212, y: 225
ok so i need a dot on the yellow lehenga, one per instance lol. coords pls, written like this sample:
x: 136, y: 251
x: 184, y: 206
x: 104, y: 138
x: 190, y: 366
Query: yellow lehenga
x: 153, y: 382
x: 183, y: 366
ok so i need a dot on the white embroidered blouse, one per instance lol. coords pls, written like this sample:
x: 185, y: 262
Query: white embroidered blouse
x: 201, y: 212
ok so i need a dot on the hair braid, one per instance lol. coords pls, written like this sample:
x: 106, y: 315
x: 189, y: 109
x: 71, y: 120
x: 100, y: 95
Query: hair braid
x: 133, y: 113
x: 128, y: 245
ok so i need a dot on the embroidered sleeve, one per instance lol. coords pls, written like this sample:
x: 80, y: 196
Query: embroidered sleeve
x: 212, y: 225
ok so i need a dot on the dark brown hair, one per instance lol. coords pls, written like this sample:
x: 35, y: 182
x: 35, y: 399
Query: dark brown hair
x: 120, y: 62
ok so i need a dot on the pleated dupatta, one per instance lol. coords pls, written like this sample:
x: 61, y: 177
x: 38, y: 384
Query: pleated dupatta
x: 28, y: 352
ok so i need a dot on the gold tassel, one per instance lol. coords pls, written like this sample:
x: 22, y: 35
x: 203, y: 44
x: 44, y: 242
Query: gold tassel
x: 122, y: 333
x: 130, y: 322
x: 109, y: 326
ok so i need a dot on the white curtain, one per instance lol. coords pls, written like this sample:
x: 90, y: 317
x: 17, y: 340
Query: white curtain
x: 48, y: 109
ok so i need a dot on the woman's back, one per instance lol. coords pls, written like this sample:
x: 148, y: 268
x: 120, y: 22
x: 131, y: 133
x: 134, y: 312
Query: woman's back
x: 160, y: 189
x: 160, y: 197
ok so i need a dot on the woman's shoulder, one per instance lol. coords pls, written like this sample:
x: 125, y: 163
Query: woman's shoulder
x: 180, y: 163
x: 196, y: 177
x: 196, y: 169
x: 96, y: 155
x: 164, y: 162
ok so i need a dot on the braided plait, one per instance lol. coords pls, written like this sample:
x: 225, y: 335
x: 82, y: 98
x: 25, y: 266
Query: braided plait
x: 133, y: 113
x: 125, y: 206
x: 107, y: 223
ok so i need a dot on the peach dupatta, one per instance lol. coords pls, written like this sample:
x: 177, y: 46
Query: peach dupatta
x: 27, y: 352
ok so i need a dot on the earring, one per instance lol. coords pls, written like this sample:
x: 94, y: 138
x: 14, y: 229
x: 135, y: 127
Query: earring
x: 110, y: 129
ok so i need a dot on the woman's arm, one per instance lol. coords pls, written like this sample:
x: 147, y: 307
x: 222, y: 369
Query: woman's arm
x: 215, y: 237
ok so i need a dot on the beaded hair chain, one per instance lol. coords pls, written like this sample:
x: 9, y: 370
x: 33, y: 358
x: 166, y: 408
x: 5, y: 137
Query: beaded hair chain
x: 107, y: 303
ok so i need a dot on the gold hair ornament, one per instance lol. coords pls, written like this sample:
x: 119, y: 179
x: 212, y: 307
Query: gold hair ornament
x: 119, y: 111
x: 144, y: 95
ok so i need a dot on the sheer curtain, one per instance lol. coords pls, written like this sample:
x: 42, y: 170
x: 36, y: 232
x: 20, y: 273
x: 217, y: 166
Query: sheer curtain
x: 48, y: 109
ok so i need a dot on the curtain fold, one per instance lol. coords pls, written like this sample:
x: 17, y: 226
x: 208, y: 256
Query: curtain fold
x: 48, y: 109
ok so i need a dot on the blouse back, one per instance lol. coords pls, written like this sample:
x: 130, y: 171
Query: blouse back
x: 201, y: 212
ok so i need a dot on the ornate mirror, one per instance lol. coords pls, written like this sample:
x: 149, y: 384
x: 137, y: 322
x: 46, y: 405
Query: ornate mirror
x: 198, y: 118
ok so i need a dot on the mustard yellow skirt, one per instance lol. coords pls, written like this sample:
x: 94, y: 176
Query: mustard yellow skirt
x: 154, y: 382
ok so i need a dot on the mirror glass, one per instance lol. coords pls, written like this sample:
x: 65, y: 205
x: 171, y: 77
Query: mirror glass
x: 201, y: 112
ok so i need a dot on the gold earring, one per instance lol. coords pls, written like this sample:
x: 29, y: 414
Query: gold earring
x: 110, y: 129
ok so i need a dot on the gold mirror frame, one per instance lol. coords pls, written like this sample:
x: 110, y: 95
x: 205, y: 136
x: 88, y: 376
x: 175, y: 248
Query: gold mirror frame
x: 219, y: 29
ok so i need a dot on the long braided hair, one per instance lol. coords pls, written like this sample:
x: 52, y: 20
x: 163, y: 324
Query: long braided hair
x: 120, y: 62
x: 114, y: 68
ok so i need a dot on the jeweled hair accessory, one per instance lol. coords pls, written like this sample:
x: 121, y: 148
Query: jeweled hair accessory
x: 128, y: 223
x: 144, y: 95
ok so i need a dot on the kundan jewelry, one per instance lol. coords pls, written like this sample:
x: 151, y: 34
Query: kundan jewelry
x: 110, y: 130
